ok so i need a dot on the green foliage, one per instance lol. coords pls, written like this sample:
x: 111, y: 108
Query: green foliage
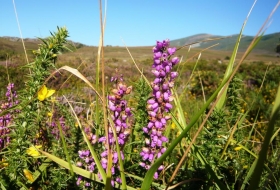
x: 141, y: 95
x: 30, y: 125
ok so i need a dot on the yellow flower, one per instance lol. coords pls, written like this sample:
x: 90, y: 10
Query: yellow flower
x: 3, y: 163
x: 50, y: 114
x: 44, y: 93
x: 237, y: 148
x: 32, y: 151
x: 28, y: 175
x: 173, y: 126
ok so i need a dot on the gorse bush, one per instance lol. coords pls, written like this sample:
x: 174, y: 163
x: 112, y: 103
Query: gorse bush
x: 206, y: 132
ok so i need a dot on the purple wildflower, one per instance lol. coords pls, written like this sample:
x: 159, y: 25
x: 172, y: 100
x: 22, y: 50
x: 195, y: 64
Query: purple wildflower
x: 87, y: 163
x: 5, y: 120
x: 159, y: 105
x: 55, y: 130
x: 120, y: 114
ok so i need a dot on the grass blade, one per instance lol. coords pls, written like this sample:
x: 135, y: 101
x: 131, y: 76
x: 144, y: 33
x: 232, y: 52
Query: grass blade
x: 249, y: 174
x: 229, y: 69
x: 76, y: 169
x: 123, y: 186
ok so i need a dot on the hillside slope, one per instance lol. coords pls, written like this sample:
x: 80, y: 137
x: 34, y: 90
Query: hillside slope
x: 13, y: 45
x: 267, y: 44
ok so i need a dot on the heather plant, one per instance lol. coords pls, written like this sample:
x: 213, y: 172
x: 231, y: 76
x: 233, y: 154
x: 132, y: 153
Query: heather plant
x: 7, y: 119
x: 138, y: 136
x: 159, y: 105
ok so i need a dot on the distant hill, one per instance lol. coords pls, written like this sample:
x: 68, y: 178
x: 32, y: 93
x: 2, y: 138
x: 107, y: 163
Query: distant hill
x: 13, y: 45
x: 267, y: 43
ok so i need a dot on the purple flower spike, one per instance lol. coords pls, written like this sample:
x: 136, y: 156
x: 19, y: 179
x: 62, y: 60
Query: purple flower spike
x: 6, y: 119
x: 159, y: 105
x: 120, y: 114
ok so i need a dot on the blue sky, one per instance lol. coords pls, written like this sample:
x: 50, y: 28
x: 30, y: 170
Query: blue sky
x: 137, y: 22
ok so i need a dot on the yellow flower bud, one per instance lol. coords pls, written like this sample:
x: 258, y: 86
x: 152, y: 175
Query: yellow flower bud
x: 28, y: 175
x: 238, y: 148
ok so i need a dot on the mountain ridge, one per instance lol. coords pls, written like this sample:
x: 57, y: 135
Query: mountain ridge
x: 267, y: 43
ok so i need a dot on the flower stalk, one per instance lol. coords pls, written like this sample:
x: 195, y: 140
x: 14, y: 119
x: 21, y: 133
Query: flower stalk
x: 159, y: 105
